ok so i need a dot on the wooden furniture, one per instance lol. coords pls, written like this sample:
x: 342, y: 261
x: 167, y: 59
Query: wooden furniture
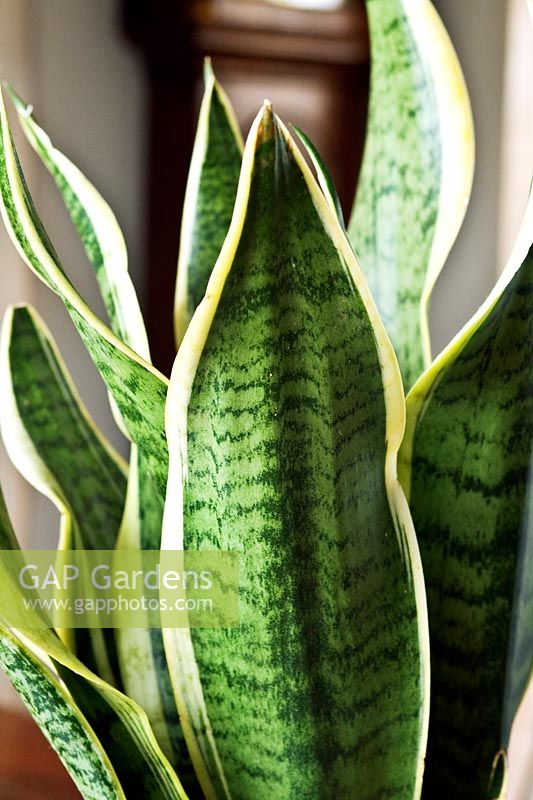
x: 313, y: 66
x: 29, y: 768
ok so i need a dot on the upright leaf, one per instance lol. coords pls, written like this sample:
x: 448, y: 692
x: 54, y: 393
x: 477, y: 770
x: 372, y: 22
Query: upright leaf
x: 55, y: 445
x: 417, y: 170
x: 467, y: 462
x: 209, y: 199
x: 325, y: 180
x: 141, y: 651
x: 283, y: 427
x: 50, y: 435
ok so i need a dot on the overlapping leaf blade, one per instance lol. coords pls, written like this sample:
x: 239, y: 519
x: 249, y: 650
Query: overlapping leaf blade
x: 53, y: 442
x: 140, y: 652
x: 98, y: 230
x: 417, y: 170
x: 81, y: 752
x: 60, y: 720
x: 209, y: 199
x: 120, y: 725
x: 467, y: 462
x: 284, y: 416
x: 324, y: 178
x: 138, y: 389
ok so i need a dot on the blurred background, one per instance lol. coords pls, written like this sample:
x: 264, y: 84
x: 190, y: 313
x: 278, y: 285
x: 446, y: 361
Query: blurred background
x: 116, y: 83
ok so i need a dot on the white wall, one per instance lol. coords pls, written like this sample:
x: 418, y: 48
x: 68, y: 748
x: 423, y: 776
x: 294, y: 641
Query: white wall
x: 477, y: 29
x: 517, y: 140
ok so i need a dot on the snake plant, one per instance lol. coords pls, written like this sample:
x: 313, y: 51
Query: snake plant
x: 385, y: 539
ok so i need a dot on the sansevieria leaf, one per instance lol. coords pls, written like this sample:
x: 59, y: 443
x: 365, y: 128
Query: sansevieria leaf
x: 141, y: 654
x: 53, y: 709
x: 467, y: 464
x: 417, y: 169
x: 138, y: 389
x: 209, y: 199
x: 60, y: 720
x: 284, y: 417
x: 54, y: 443
x: 98, y: 230
x: 41, y: 403
x: 325, y: 180
x: 120, y: 725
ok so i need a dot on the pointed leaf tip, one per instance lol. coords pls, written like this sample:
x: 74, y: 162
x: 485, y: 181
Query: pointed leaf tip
x: 18, y: 102
x: 22, y: 108
x: 209, y: 74
x: 267, y: 125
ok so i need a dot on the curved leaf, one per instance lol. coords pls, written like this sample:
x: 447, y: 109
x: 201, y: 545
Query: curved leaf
x: 283, y: 427
x: 50, y: 436
x: 417, y: 169
x: 137, y: 388
x: 324, y: 178
x: 209, y: 199
x: 98, y: 230
x: 60, y: 720
x: 467, y: 462
x: 55, y: 445
x: 120, y: 725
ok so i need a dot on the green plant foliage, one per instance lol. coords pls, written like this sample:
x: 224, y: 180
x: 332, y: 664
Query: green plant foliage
x: 291, y: 433
x: 55, y: 445
x: 138, y: 389
x: 209, y: 200
x: 98, y: 230
x: 120, y: 725
x: 468, y: 467
x: 140, y: 653
x: 416, y: 173
x: 280, y: 436
x: 60, y: 720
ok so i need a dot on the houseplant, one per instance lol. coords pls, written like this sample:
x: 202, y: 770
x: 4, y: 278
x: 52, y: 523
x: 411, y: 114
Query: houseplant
x: 278, y: 437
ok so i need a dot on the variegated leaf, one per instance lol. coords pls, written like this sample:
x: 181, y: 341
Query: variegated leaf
x: 209, y: 199
x: 284, y: 416
x: 467, y: 465
x: 417, y: 169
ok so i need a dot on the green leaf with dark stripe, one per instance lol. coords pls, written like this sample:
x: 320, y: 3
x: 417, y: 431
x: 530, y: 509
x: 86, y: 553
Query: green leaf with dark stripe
x: 55, y: 445
x: 60, y: 720
x: 285, y: 413
x: 138, y: 389
x: 325, y: 180
x: 467, y: 462
x: 90, y: 473
x: 209, y: 199
x: 98, y: 230
x: 417, y: 170
x: 141, y: 652
x: 119, y: 724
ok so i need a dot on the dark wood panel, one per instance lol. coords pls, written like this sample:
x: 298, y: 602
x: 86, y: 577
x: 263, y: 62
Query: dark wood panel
x: 313, y: 66
x: 29, y: 768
